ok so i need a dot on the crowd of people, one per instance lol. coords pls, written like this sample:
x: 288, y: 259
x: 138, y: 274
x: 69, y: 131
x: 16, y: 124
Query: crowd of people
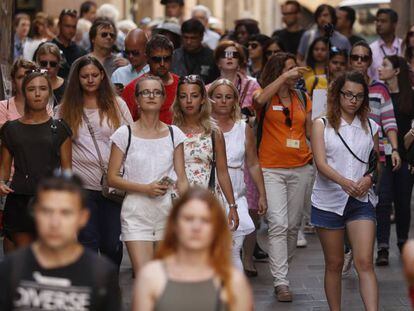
x: 183, y: 141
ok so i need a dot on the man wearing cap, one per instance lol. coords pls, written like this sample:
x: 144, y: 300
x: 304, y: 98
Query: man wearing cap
x: 193, y: 57
x: 174, y: 8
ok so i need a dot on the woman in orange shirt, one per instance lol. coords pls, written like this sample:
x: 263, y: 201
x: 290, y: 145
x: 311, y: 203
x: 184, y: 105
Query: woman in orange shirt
x: 285, y: 158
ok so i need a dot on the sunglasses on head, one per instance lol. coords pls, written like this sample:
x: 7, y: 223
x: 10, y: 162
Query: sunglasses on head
x: 288, y: 120
x: 42, y: 71
x: 362, y: 58
x: 106, y: 34
x: 190, y: 79
x: 253, y: 45
x: 230, y: 54
x: 45, y: 63
x: 159, y: 59
x: 134, y: 53
x: 69, y: 11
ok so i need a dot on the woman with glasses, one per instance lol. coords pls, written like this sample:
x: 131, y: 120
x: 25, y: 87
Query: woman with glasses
x: 93, y: 112
x: 193, y: 269
x: 395, y: 72
x: 48, y: 56
x: 317, y: 62
x: 342, y: 196
x: 241, y: 153
x: 150, y: 153
x: 204, y: 148
x: 255, y: 47
x: 285, y: 158
x: 36, y: 145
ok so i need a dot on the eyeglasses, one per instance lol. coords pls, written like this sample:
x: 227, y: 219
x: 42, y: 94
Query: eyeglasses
x: 45, y: 63
x: 288, y: 120
x: 159, y: 59
x: 190, y: 79
x: 253, y: 45
x: 148, y: 93
x: 349, y: 96
x: 135, y: 53
x: 230, y: 54
x: 270, y: 53
x: 362, y: 58
x: 106, y: 34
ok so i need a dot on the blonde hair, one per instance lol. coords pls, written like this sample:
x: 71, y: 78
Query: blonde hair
x: 236, y: 111
x: 204, y: 116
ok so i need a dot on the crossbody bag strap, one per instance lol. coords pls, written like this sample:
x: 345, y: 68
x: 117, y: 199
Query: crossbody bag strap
x: 55, y: 147
x: 245, y: 90
x: 90, y: 128
x: 349, y: 149
x: 171, y: 134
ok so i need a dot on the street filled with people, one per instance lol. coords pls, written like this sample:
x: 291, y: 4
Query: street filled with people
x: 180, y: 141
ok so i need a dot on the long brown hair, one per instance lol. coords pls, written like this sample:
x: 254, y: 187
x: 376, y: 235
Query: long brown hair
x: 72, y: 103
x: 334, y: 101
x: 220, y: 257
x: 405, y: 104
x: 274, y: 68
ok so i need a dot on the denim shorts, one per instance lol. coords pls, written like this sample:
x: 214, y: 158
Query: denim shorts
x: 354, y: 210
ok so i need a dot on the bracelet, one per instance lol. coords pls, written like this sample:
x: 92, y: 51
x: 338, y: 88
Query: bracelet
x: 233, y: 205
x: 394, y: 150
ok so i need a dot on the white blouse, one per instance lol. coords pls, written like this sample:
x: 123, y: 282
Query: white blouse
x: 328, y: 195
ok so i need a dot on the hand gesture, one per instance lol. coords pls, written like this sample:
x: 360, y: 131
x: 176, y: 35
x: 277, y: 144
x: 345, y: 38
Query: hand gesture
x: 295, y: 73
x: 350, y: 187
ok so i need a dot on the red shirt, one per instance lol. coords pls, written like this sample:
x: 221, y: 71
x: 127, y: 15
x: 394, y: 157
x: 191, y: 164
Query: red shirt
x: 165, y: 114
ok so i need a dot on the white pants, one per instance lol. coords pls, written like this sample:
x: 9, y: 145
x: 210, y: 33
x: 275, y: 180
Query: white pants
x: 235, y: 251
x: 285, y: 190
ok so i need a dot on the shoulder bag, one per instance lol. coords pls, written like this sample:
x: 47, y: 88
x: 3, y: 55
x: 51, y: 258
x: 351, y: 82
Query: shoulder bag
x: 112, y: 194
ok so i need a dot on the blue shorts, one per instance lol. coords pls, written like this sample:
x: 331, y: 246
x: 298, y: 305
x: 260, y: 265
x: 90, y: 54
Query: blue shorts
x: 354, y: 210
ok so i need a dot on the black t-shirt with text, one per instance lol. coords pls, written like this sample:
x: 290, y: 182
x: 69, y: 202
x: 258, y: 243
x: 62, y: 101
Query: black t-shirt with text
x: 90, y: 283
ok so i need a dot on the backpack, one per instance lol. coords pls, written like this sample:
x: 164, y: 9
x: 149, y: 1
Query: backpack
x: 261, y: 116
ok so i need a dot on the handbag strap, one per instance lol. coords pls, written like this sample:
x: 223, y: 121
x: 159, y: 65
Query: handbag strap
x: 55, y: 147
x: 349, y: 149
x: 171, y: 134
x: 245, y: 90
x: 212, y: 180
x: 90, y: 128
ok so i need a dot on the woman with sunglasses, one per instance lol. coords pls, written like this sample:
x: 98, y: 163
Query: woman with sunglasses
x: 48, y: 56
x: 342, y: 196
x: 36, y: 145
x: 241, y: 153
x: 193, y: 270
x: 317, y: 62
x: 93, y: 112
x: 395, y: 72
x: 204, y: 148
x: 255, y: 47
x: 285, y: 158
x: 151, y: 154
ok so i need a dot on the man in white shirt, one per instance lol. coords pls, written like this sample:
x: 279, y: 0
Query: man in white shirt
x: 203, y: 13
x: 388, y: 43
x: 135, y: 43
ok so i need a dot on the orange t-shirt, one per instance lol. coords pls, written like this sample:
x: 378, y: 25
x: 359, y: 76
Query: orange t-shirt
x: 276, y: 135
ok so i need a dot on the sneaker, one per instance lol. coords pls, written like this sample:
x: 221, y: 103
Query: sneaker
x: 283, y: 293
x: 346, y: 269
x: 301, y: 242
x: 382, y: 257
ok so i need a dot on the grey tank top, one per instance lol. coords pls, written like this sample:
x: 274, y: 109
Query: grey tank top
x: 189, y: 296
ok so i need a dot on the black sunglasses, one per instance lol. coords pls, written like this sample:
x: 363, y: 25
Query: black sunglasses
x: 362, y: 58
x: 253, y: 45
x: 45, y: 63
x: 106, y: 34
x: 159, y: 59
x: 135, y: 53
x: 288, y: 120
x: 230, y: 54
x: 269, y: 53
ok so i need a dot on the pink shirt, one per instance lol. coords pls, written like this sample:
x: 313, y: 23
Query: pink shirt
x: 8, y: 111
x: 379, y: 51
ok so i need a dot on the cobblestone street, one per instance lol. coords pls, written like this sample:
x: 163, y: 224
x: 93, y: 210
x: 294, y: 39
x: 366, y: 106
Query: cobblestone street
x: 306, y: 276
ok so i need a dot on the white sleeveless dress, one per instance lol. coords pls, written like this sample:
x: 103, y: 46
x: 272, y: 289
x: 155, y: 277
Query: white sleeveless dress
x: 236, y: 152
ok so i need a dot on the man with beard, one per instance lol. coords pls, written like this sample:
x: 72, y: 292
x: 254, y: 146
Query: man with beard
x: 159, y: 52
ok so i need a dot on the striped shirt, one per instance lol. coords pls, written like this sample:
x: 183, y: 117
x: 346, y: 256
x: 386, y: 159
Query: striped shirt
x: 382, y: 112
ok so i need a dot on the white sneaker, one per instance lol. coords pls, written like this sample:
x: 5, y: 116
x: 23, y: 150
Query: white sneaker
x: 346, y: 269
x: 301, y: 242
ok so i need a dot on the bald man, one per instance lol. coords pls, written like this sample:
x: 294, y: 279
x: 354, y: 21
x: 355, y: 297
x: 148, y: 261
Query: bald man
x: 135, y: 43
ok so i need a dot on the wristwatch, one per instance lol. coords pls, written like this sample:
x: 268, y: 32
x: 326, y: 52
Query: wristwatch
x: 233, y: 205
